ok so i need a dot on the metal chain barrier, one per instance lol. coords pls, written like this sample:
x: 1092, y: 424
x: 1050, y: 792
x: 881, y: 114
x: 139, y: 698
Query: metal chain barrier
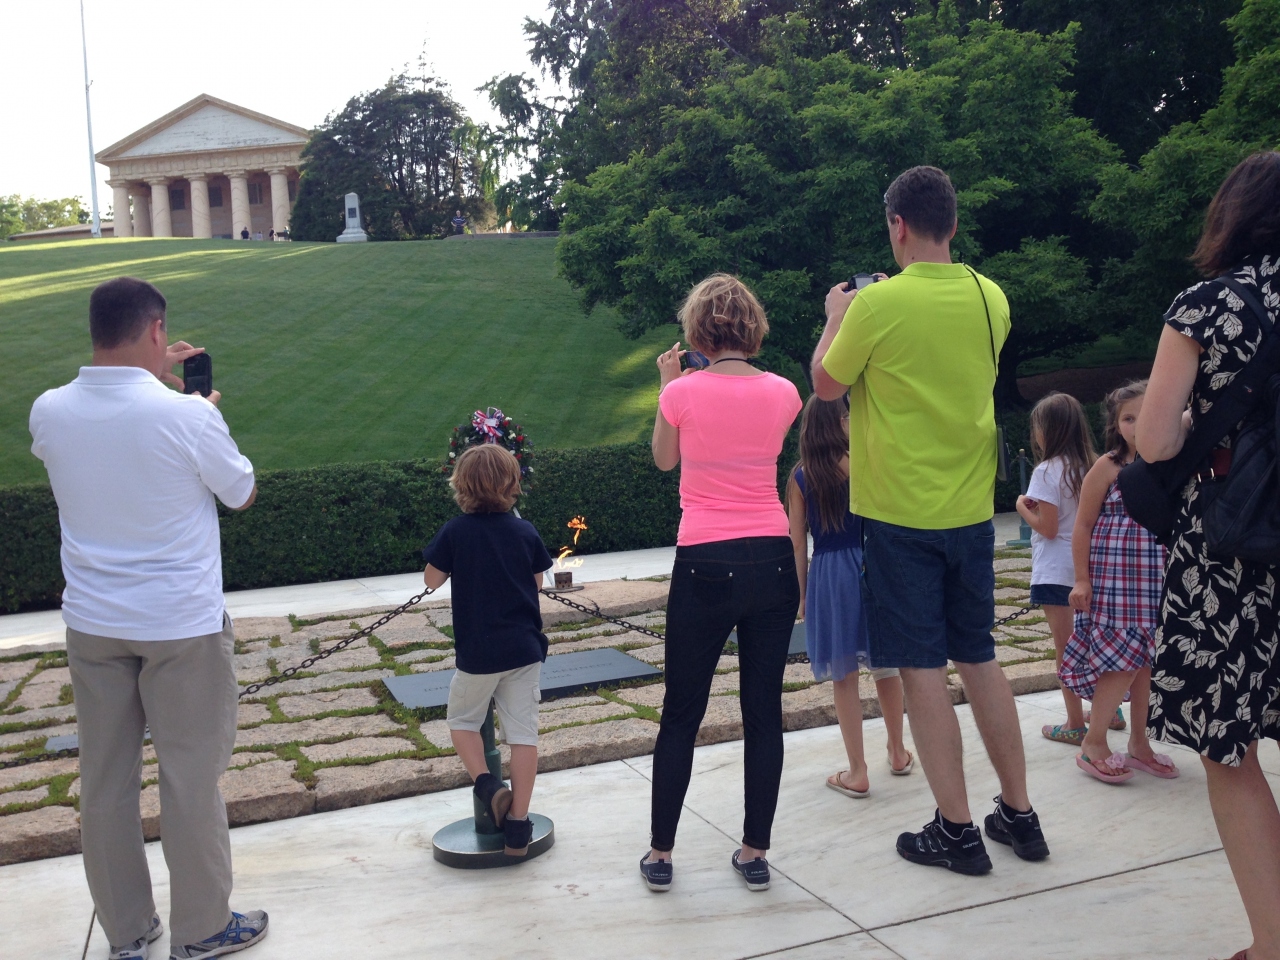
x: 593, y: 611
x: 255, y: 687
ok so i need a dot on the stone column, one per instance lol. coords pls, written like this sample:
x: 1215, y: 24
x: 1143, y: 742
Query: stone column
x: 161, y: 220
x: 120, y: 204
x: 201, y: 223
x: 239, y: 202
x: 279, y: 199
x: 141, y: 212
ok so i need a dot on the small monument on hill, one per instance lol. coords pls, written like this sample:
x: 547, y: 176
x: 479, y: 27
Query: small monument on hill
x: 354, y: 233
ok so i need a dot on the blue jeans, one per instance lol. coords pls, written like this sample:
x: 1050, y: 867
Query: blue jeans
x: 929, y: 594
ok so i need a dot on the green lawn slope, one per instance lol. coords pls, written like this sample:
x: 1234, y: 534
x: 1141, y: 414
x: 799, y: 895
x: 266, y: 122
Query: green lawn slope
x: 328, y: 352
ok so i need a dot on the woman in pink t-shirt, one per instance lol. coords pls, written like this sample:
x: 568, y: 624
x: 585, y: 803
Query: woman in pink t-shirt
x: 734, y: 567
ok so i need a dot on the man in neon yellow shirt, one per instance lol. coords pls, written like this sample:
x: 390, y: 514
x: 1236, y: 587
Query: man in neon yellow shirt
x: 919, y: 354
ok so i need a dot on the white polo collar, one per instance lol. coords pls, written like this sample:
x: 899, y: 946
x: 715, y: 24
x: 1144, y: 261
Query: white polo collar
x: 103, y: 376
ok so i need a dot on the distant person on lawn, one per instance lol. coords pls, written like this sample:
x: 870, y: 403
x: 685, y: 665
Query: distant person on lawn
x: 496, y: 560
x: 920, y: 353
x: 459, y: 222
x: 135, y: 468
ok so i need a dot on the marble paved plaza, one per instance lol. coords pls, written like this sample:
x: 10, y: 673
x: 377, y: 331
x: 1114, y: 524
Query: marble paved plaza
x: 1136, y: 872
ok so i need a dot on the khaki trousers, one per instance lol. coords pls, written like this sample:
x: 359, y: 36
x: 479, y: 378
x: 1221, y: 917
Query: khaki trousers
x: 185, y: 690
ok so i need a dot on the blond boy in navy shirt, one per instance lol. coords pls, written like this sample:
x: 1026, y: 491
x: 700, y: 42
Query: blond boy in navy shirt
x: 496, y: 560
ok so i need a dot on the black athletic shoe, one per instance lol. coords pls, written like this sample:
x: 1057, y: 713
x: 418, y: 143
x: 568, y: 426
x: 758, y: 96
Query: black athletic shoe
x: 755, y: 872
x: 1023, y: 832
x: 934, y: 847
x: 516, y: 835
x: 657, y: 873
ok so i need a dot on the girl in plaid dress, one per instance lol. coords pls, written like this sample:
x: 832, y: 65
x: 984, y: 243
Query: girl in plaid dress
x: 1119, y: 574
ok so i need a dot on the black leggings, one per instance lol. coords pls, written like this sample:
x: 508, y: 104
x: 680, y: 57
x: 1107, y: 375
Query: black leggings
x: 749, y: 584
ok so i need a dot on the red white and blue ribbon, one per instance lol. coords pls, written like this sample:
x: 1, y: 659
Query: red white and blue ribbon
x: 488, y: 424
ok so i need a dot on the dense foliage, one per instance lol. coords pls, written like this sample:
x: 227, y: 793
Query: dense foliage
x: 408, y: 151
x: 757, y: 137
x: 365, y: 519
x: 19, y: 214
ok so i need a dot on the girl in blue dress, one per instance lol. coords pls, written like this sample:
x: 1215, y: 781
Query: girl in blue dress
x: 831, y: 589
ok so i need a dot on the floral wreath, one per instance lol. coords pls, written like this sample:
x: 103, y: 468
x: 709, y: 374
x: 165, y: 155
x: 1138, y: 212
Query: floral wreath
x: 491, y: 426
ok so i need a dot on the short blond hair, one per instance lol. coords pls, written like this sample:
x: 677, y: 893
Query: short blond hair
x: 486, y: 479
x: 721, y: 314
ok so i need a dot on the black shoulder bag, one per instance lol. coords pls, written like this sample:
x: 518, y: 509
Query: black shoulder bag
x: 1002, y: 448
x: 1242, y: 510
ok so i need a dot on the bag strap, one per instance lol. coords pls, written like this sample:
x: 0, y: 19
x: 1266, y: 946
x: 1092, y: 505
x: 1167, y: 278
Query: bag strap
x: 986, y: 309
x: 1233, y: 406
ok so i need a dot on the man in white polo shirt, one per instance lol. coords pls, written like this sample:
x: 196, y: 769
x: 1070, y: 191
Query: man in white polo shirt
x: 135, y: 468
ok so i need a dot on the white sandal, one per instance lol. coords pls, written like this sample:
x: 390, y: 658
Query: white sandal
x: 905, y: 770
x: 834, y: 782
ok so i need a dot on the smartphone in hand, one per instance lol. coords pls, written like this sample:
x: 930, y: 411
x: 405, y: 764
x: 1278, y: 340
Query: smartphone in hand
x: 197, y: 374
x: 695, y: 360
x: 860, y: 280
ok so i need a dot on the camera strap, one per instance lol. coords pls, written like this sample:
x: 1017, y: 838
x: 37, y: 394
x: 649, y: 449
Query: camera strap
x: 1002, y: 448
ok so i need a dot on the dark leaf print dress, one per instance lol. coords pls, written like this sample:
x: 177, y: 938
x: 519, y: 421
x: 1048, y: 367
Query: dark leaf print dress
x: 1215, y: 684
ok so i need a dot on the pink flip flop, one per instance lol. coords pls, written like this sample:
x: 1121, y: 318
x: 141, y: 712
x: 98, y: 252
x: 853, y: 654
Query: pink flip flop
x: 1113, y: 765
x: 1133, y: 763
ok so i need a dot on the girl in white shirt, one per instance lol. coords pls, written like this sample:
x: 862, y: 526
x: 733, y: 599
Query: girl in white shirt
x: 1062, y: 442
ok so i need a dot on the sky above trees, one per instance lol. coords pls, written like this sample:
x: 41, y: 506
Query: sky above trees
x: 294, y: 61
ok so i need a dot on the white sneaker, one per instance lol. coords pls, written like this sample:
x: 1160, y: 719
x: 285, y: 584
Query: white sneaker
x: 138, y: 949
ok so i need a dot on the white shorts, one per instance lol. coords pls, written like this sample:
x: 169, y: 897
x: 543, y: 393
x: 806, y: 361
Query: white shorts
x: 515, y: 693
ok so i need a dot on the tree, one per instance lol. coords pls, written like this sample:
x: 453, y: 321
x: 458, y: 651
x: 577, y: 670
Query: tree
x: 1158, y: 207
x: 19, y: 214
x: 10, y: 215
x: 778, y: 173
x: 411, y: 154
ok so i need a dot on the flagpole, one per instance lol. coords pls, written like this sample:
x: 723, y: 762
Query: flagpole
x: 88, y: 119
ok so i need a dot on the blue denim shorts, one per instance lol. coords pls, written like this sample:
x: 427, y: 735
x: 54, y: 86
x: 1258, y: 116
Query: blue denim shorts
x: 929, y: 594
x: 1050, y: 595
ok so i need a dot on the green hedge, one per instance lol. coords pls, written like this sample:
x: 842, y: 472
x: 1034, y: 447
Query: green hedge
x: 368, y: 519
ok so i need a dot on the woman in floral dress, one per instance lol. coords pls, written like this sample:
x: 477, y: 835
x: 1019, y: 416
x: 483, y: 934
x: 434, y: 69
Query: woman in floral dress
x: 1215, y: 683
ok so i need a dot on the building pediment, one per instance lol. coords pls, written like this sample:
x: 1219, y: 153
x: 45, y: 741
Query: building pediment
x: 202, y: 125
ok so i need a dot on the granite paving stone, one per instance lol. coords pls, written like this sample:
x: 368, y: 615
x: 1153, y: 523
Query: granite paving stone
x: 357, y: 748
x: 721, y: 722
x: 265, y: 791
x: 248, y: 628
x: 247, y: 713
x: 326, y: 728
x: 47, y: 832
x: 426, y: 655
x: 447, y: 663
x: 17, y: 669
x: 655, y: 654
x: 306, y: 705
x: 322, y: 681
x: 410, y: 628
x: 546, y: 706
x: 34, y: 795
x: 437, y: 732
x: 26, y: 736
x: 649, y: 695
x: 34, y: 772
x: 556, y: 718
x: 61, y: 714
x: 340, y: 787
x: 596, y: 743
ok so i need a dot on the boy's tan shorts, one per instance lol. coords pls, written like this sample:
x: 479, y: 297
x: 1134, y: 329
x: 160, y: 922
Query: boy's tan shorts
x: 515, y: 694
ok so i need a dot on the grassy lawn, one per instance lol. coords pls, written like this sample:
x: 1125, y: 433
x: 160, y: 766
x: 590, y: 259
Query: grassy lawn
x: 329, y: 352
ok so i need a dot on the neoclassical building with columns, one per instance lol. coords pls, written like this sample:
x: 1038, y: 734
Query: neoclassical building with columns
x: 207, y: 169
